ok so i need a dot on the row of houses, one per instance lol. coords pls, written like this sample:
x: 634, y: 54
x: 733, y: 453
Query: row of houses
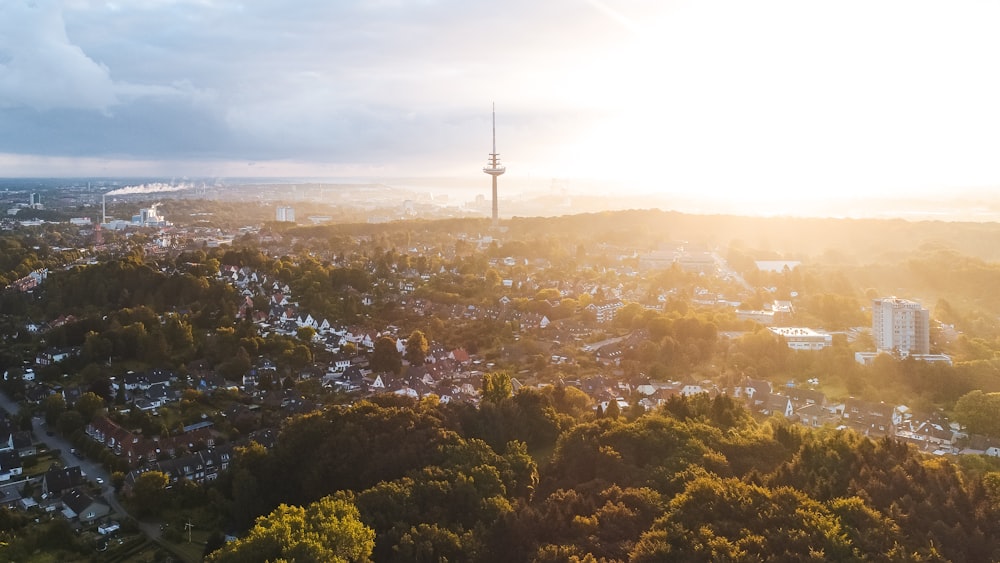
x: 137, y: 449
x: 30, y: 281
x: 798, y: 404
x: 198, y: 467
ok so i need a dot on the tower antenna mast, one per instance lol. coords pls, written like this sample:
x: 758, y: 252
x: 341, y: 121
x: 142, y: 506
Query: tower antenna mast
x: 494, y: 169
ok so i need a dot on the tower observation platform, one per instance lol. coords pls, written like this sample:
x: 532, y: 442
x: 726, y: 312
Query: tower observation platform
x: 494, y: 169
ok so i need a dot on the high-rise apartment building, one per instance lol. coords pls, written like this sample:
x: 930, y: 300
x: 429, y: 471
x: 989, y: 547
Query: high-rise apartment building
x: 900, y: 327
x: 285, y: 214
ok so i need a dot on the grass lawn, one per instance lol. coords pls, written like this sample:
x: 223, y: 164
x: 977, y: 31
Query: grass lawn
x: 41, y: 466
x: 191, y: 551
x: 188, y: 552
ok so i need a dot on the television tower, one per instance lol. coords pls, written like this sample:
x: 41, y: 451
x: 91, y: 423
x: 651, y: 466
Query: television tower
x: 494, y: 169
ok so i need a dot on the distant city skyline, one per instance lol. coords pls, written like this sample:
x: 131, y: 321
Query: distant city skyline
x: 781, y: 102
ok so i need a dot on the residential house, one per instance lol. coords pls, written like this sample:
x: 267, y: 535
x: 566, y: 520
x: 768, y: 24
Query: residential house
x: 159, y: 394
x: 37, y: 394
x: 815, y: 415
x: 10, y: 496
x: 267, y: 437
x: 24, y: 444
x: 57, y: 480
x: 459, y: 356
x: 802, y: 397
x: 779, y: 404
x: 691, y: 387
x: 85, y: 508
x: 10, y: 465
x: 6, y: 435
x: 53, y: 355
x: 133, y: 380
x: 983, y: 445
x: 870, y: 419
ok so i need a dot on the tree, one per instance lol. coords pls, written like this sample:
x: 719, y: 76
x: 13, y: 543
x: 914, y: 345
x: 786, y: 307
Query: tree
x: 386, y: 357
x: 149, y: 492
x: 492, y: 278
x: 496, y: 387
x: 214, y: 541
x: 430, y: 542
x: 54, y: 405
x: 727, y: 520
x: 327, y: 530
x: 569, y: 400
x: 613, y: 411
x: 416, y: 348
x: 69, y: 422
x: 89, y: 404
x: 179, y: 335
x: 305, y: 333
x: 234, y: 368
x: 298, y: 357
x: 977, y: 412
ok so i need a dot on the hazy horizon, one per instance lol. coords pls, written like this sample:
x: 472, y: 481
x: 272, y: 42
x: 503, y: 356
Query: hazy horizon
x: 571, y: 196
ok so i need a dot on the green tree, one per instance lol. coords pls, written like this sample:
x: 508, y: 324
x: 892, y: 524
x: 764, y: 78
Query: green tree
x: 326, y: 530
x: 89, y: 405
x: 569, y: 400
x: 385, y: 356
x: 492, y: 278
x: 69, y: 422
x: 977, y: 411
x: 727, y: 520
x: 237, y: 366
x: 430, y: 542
x: 305, y: 333
x: 179, y: 335
x: 53, y: 405
x: 613, y: 411
x: 150, y: 493
x: 496, y: 387
x: 416, y: 348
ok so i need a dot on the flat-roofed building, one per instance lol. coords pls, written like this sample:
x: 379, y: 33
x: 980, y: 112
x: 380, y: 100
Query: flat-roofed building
x: 803, y: 338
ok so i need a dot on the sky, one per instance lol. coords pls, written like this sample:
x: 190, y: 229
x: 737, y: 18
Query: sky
x: 770, y: 100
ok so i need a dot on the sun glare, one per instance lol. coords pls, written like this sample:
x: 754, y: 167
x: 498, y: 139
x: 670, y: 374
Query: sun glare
x: 792, y: 103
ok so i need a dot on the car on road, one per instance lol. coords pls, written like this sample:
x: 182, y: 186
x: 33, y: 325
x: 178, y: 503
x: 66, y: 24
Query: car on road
x: 99, y: 480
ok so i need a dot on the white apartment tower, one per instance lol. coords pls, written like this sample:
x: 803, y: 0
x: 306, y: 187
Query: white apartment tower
x: 900, y: 327
x: 285, y: 215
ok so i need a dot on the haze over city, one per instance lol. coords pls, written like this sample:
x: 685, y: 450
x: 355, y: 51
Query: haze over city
x: 790, y: 106
x: 438, y: 280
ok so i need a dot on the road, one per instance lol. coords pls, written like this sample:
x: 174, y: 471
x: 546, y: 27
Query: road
x: 725, y: 270
x: 92, y: 469
x: 56, y: 442
x: 598, y: 345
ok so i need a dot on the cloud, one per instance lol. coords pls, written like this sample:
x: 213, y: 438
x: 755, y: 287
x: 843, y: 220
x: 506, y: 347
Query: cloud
x: 682, y: 93
x: 41, y: 68
x: 346, y: 84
